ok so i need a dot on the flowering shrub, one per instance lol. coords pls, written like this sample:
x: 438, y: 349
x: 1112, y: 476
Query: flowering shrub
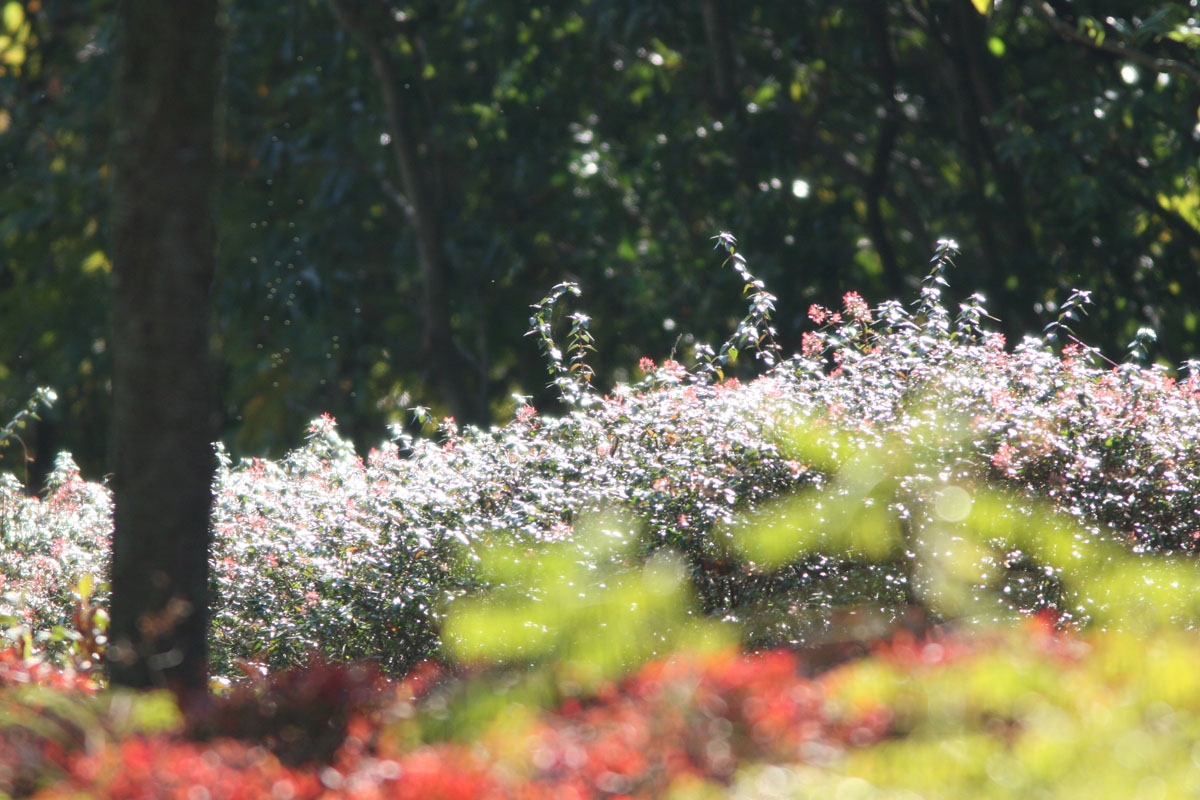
x: 324, y: 548
x: 50, y: 713
x: 48, y: 548
x: 904, y: 469
x: 356, y: 557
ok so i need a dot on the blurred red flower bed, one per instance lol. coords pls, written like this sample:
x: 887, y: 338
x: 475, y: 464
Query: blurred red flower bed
x: 334, y: 731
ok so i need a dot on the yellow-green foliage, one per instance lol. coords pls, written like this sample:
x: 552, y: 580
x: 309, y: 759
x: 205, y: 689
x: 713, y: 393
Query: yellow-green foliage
x: 1112, y: 715
x: 918, y: 505
x: 1004, y: 709
x: 586, y: 602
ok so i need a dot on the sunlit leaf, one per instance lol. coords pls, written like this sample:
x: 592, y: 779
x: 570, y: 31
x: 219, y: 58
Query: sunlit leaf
x: 13, y: 15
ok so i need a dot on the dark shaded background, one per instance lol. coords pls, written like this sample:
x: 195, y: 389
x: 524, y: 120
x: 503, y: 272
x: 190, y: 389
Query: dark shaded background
x: 401, y: 181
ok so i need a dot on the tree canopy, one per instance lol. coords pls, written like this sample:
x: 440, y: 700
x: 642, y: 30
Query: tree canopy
x: 401, y: 183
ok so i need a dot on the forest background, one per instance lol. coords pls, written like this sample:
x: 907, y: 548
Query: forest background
x: 400, y: 181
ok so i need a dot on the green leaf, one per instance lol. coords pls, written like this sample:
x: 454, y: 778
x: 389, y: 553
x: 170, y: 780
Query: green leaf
x: 84, y: 589
x: 13, y: 15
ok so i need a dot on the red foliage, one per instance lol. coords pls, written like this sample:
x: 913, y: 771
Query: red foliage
x: 934, y: 648
x: 166, y: 769
x: 35, y: 740
x: 682, y: 718
x: 140, y: 768
x: 301, y: 715
x: 18, y: 668
x: 321, y: 733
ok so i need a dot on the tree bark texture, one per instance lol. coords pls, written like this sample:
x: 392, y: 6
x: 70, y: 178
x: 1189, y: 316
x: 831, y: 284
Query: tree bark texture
x: 164, y: 402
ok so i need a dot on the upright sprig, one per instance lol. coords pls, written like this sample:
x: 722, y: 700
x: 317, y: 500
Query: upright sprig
x: 1138, y: 351
x: 1192, y: 366
x: 755, y: 330
x: 571, y: 374
x: 969, y: 324
x: 929, y: 305
x: 1073, y: 309
x: 42, y: 396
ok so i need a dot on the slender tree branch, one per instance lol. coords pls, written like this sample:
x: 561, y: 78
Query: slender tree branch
x: 975, y: 141
x: 419, y: 198
x: 1119, y: 50
x: 393, y: 193
x: 723, y: 81
x: 877, y: 181
x: 404, y: 148
x: 1169, y: 217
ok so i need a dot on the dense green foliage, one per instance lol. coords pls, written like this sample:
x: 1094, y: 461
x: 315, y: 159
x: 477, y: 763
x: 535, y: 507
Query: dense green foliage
x: 601, y: 143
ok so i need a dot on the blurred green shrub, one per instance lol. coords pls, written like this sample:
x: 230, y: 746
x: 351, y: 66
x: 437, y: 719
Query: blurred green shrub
x: 1016, y: 713
x: 585, y: 605
x: 914, y: 506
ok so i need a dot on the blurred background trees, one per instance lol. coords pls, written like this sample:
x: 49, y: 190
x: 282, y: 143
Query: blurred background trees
x: 402, y: 180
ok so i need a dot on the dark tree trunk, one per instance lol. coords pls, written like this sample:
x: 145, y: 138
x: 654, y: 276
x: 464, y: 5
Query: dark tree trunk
x: 164, y: 404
